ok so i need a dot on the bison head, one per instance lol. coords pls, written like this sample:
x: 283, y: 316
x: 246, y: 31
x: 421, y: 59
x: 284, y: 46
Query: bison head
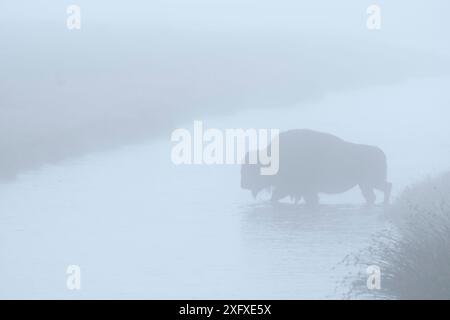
x: 251, y: 178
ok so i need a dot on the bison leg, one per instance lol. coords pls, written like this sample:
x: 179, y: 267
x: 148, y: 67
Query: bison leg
x: 277, y: 195
x: 311, y: 199
x: 295, y: 199
x: 368, y: 194
x: 386, y: 187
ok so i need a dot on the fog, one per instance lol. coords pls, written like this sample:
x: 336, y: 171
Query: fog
x: 136, y: 70
x: 86, y: 117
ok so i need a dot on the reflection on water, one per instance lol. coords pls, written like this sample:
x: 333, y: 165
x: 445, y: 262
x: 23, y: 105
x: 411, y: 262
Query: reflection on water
x: 140, y: 231
x: 293, y: 250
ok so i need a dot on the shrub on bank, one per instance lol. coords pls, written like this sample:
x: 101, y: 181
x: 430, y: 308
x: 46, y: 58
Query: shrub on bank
x: 413, y: 256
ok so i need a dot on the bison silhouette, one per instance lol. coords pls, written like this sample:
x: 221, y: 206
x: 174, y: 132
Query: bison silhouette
x: 312, y: 162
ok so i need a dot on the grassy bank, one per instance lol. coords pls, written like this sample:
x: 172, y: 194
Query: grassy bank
x: 414, y: 256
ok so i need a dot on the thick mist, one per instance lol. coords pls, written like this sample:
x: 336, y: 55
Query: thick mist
x: 86, y: 116
x: 137, y: 70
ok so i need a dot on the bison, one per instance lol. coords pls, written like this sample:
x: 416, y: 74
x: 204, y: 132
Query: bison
x: 312, y: 162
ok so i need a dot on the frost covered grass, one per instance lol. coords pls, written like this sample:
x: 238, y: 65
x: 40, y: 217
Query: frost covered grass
x: 413, y: 256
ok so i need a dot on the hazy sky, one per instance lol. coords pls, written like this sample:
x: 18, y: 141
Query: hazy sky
x: 139, y: 67
x: 419, y: 24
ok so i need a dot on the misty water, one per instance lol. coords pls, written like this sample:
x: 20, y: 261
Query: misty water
x: 141, y: 227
